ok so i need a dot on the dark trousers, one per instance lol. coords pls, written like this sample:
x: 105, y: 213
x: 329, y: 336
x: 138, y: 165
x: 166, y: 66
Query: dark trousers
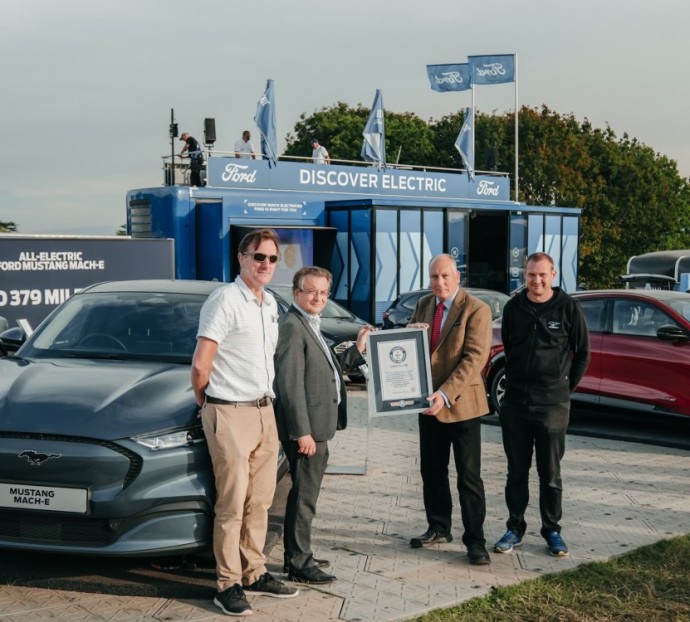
x: 307, y: 474
x: 435, y: 442
x: 195, y: 169
x: 541, y: 428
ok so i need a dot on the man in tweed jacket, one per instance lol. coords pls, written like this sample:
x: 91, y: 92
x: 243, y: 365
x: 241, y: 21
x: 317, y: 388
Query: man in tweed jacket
x: 455, y: 407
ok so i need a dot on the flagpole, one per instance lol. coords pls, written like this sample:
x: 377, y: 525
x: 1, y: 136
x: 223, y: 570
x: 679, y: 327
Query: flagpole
x: 516, y: 129
x: 474, y: 122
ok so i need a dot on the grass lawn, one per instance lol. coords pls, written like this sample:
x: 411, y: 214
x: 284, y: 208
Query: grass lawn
x: 649, y: 584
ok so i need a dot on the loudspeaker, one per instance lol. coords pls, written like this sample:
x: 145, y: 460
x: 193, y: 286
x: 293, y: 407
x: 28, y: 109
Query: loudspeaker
x: 209, y: 131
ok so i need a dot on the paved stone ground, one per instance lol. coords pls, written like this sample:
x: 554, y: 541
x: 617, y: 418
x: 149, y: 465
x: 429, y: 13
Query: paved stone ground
x: 619, y: 496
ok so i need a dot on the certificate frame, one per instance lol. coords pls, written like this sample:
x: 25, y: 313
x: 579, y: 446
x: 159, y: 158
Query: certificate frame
x: 399, y: 371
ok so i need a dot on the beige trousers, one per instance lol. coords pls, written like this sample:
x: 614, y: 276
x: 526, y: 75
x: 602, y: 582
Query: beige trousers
x: 243, y: 444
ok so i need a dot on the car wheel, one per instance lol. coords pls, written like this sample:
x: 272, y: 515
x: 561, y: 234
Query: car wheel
x: 497, y: 390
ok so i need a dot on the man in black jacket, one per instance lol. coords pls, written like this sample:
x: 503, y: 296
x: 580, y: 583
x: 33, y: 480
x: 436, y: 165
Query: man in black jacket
x: 192, y: 150
x: 547, y: 352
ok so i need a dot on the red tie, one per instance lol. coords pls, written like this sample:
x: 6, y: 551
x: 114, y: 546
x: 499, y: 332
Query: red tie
x: 436, y: 326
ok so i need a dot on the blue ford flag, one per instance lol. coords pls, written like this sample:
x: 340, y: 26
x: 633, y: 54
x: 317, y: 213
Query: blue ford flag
x: 495, y: 69
x: 464, y: 143
x: 374, y: 146
x: 444, y: 78
x: 265, y: 120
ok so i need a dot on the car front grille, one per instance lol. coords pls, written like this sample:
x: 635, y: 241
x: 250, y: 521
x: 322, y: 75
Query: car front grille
x: 135, y: 460
x: 27, y: 527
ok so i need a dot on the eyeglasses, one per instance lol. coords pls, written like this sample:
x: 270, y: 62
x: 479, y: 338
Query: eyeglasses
x: 261, y: 257
x: 315, y: 292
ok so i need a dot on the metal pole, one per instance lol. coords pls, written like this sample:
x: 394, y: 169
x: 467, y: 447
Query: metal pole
x: 172, y: 148
x: 516, y: 130
x: 474, y: 125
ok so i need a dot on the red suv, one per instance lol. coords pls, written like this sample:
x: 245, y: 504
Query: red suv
x: 640, y: 343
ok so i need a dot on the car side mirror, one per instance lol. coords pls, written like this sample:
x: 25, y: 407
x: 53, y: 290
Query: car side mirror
x: 672, y: 333
x: 10, y: 340
x: 4, y: 324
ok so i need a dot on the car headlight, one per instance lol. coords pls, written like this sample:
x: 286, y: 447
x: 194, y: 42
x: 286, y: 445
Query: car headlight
x: 171, y: 439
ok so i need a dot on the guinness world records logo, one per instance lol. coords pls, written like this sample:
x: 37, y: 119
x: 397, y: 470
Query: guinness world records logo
x: 397, y: 354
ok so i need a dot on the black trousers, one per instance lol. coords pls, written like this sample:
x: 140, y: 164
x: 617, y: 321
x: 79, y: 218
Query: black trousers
x: 435, y: 442
x: 307, y: 475
x: 195, y: 169
x: 539, y: 429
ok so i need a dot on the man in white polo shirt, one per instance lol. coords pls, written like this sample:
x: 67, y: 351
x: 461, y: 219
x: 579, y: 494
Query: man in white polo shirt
x: 232, y: 377
x: 319, y: 153
x: 244, y: 148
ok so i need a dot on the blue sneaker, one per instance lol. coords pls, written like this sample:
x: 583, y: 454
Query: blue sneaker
x: 557, y: 547
x: 509, y: 540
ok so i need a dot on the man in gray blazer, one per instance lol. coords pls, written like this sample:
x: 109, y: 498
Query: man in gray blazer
x: 310, y: 406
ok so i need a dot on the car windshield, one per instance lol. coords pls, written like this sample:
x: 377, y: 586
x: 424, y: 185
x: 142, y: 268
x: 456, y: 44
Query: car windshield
x: 409, y: 301
x: 495, y: 300
x: 681, y: 306
x: 124, y: 325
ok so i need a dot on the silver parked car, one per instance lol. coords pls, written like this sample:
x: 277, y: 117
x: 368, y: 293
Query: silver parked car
x: 101, y: 449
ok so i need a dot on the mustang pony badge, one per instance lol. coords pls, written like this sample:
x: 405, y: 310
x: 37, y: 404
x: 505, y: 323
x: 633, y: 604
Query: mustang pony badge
x: 36, y: 458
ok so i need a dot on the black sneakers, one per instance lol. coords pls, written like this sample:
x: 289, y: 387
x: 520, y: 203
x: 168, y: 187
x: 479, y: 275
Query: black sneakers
x: 233, y: 601
x: 268, y: 586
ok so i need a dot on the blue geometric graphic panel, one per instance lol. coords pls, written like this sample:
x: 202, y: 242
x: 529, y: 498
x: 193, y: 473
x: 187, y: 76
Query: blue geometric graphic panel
x: 410, y: 250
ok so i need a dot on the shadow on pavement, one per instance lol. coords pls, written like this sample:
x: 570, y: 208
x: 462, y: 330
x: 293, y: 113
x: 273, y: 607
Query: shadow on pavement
x: 622, y: 425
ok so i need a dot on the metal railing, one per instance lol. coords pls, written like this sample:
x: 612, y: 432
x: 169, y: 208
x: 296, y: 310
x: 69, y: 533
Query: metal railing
x: 180, y: 165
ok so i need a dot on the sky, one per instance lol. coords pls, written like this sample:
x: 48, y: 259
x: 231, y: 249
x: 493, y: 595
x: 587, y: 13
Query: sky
x: 87, y: 86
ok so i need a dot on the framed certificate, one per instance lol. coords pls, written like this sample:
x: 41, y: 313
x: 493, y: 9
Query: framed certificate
x: 399, y: 371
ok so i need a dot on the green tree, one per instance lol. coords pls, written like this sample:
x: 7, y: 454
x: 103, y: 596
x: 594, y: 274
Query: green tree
x: 491, y: 132
x: 7, y: 226
x: 339, y: 128
x: 632, y: 199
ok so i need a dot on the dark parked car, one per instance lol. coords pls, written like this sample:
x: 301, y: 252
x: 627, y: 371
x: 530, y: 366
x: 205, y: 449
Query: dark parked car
x: 400, y: 311
x: 101, y: 449
x: 338, y: 326
x: 640, y: 343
